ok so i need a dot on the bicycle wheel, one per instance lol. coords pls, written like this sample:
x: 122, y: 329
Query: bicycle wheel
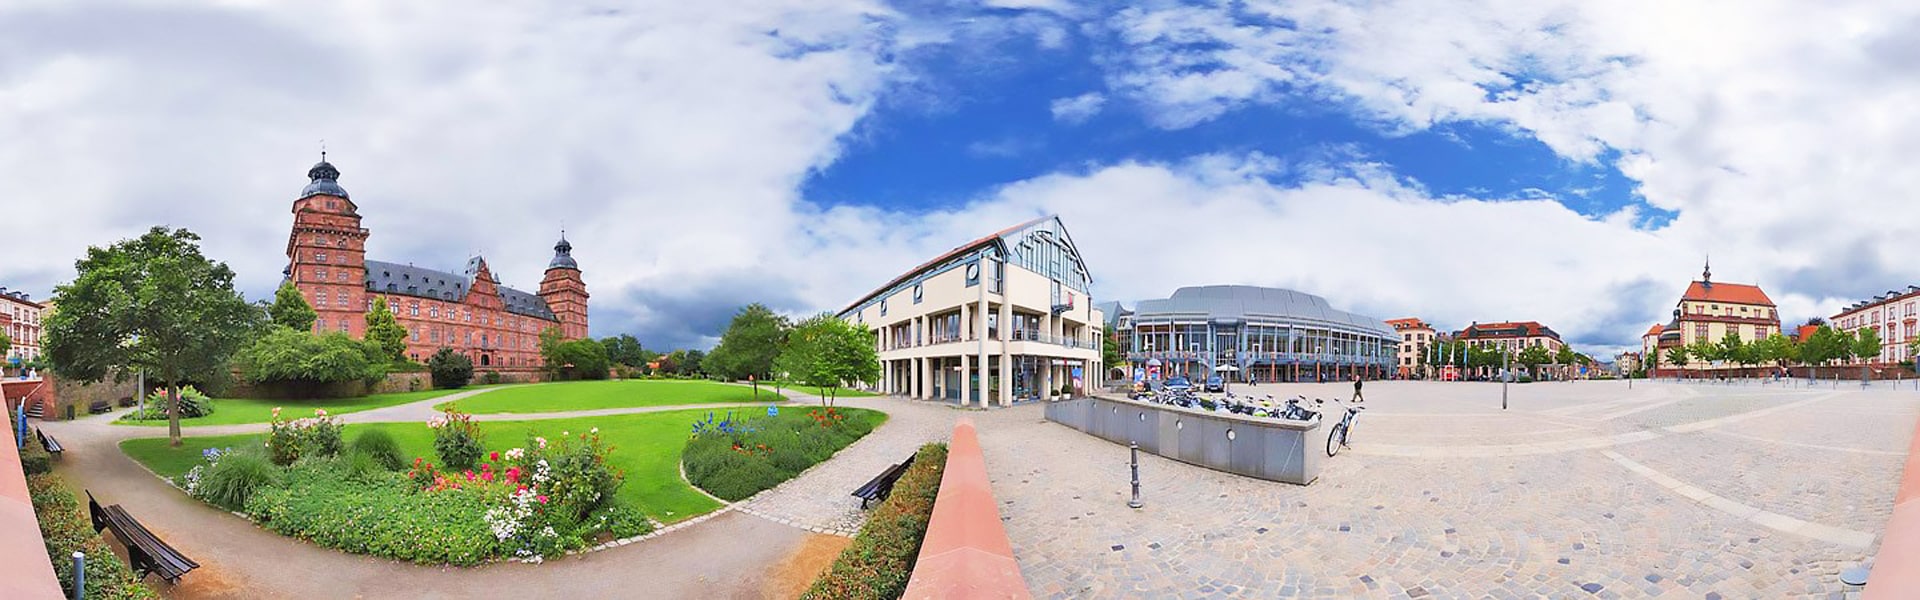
x: 1336, y: 438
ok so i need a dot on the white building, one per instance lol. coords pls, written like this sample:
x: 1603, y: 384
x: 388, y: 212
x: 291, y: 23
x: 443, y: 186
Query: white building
x: 1009, y: 313
x: 1892, y: 315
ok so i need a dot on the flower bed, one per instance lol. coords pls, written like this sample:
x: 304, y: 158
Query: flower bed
x: 541, y: 500
x: 880, y: 560
x: 738, y: 457
x: 64, y: 525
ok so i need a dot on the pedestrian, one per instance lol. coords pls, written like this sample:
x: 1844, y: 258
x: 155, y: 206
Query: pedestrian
x: 1356, y: 390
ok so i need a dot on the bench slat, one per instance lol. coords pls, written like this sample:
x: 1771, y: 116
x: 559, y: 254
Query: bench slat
x: 153, y: 553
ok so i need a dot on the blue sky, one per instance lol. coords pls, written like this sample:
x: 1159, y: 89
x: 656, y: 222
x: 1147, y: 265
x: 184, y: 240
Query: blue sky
x: 1470, y: 160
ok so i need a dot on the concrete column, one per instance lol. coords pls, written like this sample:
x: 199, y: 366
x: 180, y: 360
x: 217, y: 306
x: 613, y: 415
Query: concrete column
x: 1006, y: 377
x: 926, y: 378
x: 966, y: 383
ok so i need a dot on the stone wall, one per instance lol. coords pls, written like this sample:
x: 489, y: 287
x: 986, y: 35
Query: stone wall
x: 1271, y: 449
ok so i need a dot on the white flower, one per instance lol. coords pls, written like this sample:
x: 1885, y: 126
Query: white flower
x: 542, y: 442
x: 516, y: 453
x: 595, y: 431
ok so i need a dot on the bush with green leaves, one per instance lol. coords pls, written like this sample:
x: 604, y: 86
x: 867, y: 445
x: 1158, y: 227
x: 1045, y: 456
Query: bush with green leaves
x: 230, y: 477
x: 193, y: 405
x: 312, y: 437
x: 379, y: 514
x: 450, y: 370
x: 378, y: 445
x: 456, y: 439
x: 301, y: 358
x: 34, y: 459
x: 578, y: 479
x: 490, y: 377
x: 65, y: 528
x: 880, y: 560
x: 736, y: 458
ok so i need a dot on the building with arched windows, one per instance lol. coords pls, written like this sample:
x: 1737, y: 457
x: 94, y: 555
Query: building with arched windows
x: 1004, y: 318
x: 1253, y: 333
x: 470, y: 311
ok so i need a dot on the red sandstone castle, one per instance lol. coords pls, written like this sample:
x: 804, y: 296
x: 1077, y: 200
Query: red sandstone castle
x: 496, y: 326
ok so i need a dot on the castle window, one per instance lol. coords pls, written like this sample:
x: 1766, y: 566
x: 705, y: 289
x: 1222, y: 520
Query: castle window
x: 341, y: 301
x: 433, y: 312
x: 416, y: 335
x: 322, y: 296
x: 413, y: 309
x: 468, y: 314
x: 320, y: 257
x: 392, y: 287
x: 343, y: 323
x: 433, y: 335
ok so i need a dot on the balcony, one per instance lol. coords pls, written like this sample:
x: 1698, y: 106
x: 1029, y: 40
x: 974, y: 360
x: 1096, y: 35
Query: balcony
x: 1034, y: 335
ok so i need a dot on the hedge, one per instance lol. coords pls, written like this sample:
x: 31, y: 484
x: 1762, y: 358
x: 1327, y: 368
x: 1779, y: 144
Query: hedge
x: 881, y: 559
x: 65, y: 527
x: 756, y: 454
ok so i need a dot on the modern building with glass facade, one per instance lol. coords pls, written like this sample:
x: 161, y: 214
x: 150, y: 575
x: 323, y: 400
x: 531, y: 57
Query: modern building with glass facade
x: 1008, y: 314
x: 1246, y: 333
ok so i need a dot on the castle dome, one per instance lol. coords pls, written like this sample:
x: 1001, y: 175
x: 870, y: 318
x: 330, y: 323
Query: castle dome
x: 563, y: 255
x: 325, y: 180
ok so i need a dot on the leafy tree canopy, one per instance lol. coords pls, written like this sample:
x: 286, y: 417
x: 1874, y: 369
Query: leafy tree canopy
x: 384, y: 330
x: 573, y: 359
x: 750, y: 344
x: 828, y: 352
x: 450, y: 370
x: 625, y: 349
x: 151, y: 304
x: 285, y: 355
x: 290, y: 309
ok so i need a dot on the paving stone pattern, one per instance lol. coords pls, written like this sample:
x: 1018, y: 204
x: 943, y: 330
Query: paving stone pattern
x: 1563, y: 524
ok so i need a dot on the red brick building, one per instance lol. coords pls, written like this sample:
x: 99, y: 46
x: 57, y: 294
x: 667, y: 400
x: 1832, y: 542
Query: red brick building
x: 20, y: 320
x: 497, y: 326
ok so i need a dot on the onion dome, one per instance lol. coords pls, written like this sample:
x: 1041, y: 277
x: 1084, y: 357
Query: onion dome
x: 562, y: 255
x: 325, y: 180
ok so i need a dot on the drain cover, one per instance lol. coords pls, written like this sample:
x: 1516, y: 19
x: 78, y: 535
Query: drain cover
x: 1854, y: 576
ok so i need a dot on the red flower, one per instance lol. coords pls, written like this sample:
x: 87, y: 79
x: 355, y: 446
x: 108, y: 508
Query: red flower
x: 542, y: 498
x: 469, y: 475
x: 487, y: 475
x: 494, y: 456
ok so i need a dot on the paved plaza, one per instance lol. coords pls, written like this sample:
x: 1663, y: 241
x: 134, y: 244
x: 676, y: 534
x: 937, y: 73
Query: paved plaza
x: 1578, y: 490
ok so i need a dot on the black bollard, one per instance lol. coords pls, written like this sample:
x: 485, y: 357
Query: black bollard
x: 1134, y: 450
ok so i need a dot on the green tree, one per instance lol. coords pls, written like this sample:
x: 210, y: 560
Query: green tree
x: 290, y: 309
x: 1844, y: 345
x: 6, y: 345
x: 828, y: 352
x: 573, y: 359
x: 1866, y: 344
x: 1822, y: 346
x: 301, y: 361
x: 151, y: 304
x: 1677, y: 356
x: 624, y: 349
x: 1735, y: 350
x: 1110, y: 350
x: 1532, y: 357
x: 384, y: 330
x: 1704, y: 350
x: 750, y: 344
x: 450, y: 369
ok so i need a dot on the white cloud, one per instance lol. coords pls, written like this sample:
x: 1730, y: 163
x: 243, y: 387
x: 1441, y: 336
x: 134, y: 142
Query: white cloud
x: 1078, y: 109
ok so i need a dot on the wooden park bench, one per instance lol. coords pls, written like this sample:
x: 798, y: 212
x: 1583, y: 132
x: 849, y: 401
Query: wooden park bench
x: 881, y: 486
x: 99, y: 406
x: 47, y: 441
x: 145, y: 553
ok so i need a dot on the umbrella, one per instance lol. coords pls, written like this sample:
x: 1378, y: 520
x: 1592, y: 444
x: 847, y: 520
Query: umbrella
x: 1226, y: 368
x: 1153, y: 362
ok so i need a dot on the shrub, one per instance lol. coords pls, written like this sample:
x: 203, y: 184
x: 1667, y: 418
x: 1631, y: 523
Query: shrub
x: 456, y: 439
x: 491, y: 377
x: 313, y: 437
x: 34, y: 460
x: 735, y: 459
x: 363, y: 468
x: 450, y: 369
x: 578, y: 480
x: 379, y: 445
x: 881, y: 558
x: 230, y: 478
x: 65, y: 528
x: 319, y: 502
x: 193, y: 405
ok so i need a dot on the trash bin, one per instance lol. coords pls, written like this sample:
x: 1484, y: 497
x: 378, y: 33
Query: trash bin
x: 69, y: 408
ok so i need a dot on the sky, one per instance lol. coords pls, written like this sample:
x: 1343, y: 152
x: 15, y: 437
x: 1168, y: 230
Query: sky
x: 1572, y: 163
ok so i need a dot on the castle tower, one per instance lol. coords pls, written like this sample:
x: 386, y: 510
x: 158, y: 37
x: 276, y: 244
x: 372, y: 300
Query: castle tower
x: 326, y: 252
x: 565, y: 292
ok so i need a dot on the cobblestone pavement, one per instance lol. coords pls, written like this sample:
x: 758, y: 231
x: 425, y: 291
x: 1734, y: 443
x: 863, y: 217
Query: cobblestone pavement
x: 820, y: 500
x: 1733, y: 492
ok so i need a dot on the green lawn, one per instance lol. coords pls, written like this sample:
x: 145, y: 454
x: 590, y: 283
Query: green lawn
x: 646, y: 447
x: 588, y: 395
x: 820, y: 391
x: 229, y: 411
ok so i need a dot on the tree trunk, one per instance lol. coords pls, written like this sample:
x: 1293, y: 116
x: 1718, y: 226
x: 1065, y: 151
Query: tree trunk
x: 173, y: 412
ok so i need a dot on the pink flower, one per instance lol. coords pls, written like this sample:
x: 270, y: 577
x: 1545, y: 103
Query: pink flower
x: 542, y: 498
x: 319, y: 412
x: 487, y: 475
x: 469, y: 475
x: 276, y: 412
x: 494, y: 456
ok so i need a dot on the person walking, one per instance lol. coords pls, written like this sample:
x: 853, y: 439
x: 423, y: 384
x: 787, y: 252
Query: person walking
x: 1357, y: 397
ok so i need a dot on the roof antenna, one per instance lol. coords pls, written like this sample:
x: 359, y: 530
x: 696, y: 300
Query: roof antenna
x: 323, y: 149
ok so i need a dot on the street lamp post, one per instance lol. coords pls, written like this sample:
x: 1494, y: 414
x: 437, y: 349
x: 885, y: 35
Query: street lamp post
x: 1506, y: 375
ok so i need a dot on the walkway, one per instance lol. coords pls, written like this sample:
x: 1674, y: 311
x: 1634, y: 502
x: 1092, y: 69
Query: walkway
x: 731, y: 555
x: 1618, y: 494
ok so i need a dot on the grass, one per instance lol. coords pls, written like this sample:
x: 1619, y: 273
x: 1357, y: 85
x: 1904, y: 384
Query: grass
x: 589, y: 395
x: 231, y: 411
x: 820, y: 391
x: 646, y: 447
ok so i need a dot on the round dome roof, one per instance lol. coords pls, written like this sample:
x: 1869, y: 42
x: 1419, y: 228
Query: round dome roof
x: 325, y: 181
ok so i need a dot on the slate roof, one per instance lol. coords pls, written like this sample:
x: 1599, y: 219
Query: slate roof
x: 1247, y: 302
x: 421, y: 282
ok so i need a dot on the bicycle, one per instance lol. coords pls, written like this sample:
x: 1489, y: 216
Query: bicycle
x: 1337, y: 438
